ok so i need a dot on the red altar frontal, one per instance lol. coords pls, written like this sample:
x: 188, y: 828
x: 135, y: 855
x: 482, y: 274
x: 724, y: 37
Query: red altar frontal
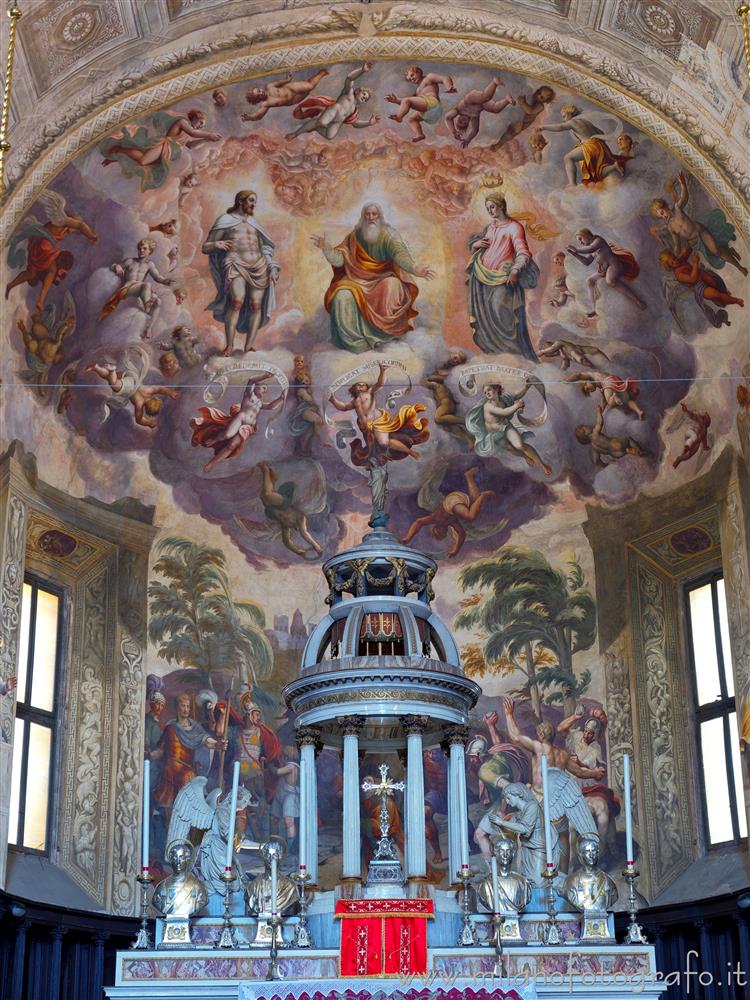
x: 384, y: 937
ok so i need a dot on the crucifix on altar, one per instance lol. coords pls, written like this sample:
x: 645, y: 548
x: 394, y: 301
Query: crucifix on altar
x: 385, y: 868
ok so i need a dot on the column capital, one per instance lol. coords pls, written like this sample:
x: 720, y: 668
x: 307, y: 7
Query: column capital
x: 350, y: 725
x: 457, y: 735
x: 414, y: 725
x: 59, y: 932
x: 308, y: 736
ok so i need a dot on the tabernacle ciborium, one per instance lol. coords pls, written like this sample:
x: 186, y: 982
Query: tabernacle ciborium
x: 385, y: 867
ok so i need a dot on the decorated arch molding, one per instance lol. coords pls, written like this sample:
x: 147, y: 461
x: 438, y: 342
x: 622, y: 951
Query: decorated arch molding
x: 405, y: 32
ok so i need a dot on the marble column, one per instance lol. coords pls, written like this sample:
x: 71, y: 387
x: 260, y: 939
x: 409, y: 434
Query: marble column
x: 416, y: 848
x: 458, y: 814
x: 352, y: 837
x: 308, y: 742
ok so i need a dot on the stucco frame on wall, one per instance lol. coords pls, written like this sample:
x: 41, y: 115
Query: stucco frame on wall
x: 462, y: 37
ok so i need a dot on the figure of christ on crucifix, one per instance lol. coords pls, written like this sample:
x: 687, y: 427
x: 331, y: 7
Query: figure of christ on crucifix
x: 385, y: 850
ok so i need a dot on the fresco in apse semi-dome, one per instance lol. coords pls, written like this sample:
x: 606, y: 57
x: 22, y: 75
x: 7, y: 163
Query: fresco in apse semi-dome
x: 506, y: 290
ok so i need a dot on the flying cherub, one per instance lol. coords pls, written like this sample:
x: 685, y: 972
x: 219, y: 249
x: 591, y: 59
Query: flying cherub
x: 136, y: 274
x: 463, y: 118
x: 281, y: 94
x: 326, y: 115
x: 453, y: 512
x: 227, y: 433
x: 287, y: 508
x: 616, y: 392
x: 127, y: 386
x: 43, y: 340
x: 384, y: 437
x: 45, y: 263
x: 696, y: 435
x: 570, y: 351
x: 602, y: 445
x: 423, y: 106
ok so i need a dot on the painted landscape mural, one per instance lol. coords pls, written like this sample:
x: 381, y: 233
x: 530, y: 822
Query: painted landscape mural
x: 226, y: 308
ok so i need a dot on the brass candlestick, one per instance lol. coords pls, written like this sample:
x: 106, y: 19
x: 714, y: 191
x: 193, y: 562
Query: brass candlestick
x: 499, y: 971
x: 551, y: 933
x: 468, y: 936
x: 143, y: 938
x: 634, y: 933
x: 227, y: 938
x: 302, y: 937
x: 274, y: 972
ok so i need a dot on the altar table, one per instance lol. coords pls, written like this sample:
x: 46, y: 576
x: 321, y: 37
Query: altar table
x: 384, y: 937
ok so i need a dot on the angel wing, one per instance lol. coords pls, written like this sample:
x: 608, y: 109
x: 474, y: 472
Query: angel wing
x: 54, y: 206
x: 190, y: 810
x: 68, y: 313
x: 429, y: 495
x: 485, y: 531
x: 566, y: 799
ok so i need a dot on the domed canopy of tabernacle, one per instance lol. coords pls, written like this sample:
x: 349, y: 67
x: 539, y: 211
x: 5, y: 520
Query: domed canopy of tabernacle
x: 381, y: 652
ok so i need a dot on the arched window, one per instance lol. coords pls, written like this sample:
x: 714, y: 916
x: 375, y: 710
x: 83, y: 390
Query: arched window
x: 715, y: 711
x: 36, y: 717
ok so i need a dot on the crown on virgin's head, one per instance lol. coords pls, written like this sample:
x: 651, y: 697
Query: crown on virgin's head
x: 492, y: 181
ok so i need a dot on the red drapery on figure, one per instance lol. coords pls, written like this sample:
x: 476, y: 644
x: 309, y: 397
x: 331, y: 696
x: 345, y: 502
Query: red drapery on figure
x: 384, y: 937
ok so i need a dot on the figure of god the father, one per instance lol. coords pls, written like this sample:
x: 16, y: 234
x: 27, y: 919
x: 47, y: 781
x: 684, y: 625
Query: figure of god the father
x: 370, y: 298
x: 243, y: 268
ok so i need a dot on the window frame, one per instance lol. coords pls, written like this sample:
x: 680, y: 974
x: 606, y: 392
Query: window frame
x: 31, y: 715
x: 720, y: 709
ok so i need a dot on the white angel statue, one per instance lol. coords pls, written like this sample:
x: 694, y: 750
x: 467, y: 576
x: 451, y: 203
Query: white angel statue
x: 194, y: 810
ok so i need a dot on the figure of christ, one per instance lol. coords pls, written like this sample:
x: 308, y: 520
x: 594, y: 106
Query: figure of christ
x: 149, y: 155
x: 280, y: 94
x: 616, y: 266
x: 145, y: 398
x: 455, y: 508
x: 490, y: 422
x: 243, y: 269
x: 582, y: 742
x: 227, y: 433
x: 181, y: 737
x: 370, y: 298
x: 560, y: 284
x: 47, y: 264
x: 593, y: 154
x: 136, y: 274
x: 500, y: 270
x: 556, y: 758
x: 617, y: 393
x: 463, y: 119
x: 423, y: 106
x: 446, y: 407
x: 602, y: 445
x: 532, y: 107
x: 278, y: 504
x: 327, y: 115
x: 712, y: 243
x: 696, y: 435
x: 706, y: 284
x: 384, y: 438
x: 568, y: 351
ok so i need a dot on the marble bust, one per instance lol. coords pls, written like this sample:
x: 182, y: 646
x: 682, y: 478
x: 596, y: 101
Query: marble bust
x: 592, y: 891
x: 514, y: 889
x: 179, y: 896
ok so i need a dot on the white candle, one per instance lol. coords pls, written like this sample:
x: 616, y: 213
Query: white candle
x: 495, y: 885
x: 547, y: 824
x: 303, y: 815
x: 232, y: 815
x: 274, y: 883
x: 146, y: 813
x: 629, y: 859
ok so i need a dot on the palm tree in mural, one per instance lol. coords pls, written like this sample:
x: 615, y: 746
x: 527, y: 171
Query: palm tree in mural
x: 194, y: 619
x: 523, y: 607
